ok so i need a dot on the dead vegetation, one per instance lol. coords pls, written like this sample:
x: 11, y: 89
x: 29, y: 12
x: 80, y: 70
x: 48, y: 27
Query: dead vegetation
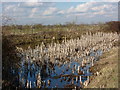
x: 105, y: 71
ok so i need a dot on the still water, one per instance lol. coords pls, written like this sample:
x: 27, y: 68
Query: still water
x: 57, y: 74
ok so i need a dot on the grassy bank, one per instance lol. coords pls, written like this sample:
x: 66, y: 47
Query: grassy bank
x: 105, y: 71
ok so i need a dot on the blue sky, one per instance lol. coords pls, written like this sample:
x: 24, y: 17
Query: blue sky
x: 60, y: 12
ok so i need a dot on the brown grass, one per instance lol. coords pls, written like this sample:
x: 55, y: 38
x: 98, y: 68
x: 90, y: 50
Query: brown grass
x: 107, y: 69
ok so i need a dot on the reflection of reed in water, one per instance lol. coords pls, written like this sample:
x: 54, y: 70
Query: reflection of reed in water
x: 83, y: 50
x: 38, y: 80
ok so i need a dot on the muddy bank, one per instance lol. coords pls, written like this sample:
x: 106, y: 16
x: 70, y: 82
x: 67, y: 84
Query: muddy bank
x: 105, y: 71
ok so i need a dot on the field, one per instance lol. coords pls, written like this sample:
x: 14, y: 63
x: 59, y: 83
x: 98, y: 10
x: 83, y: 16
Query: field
x: 82, y: 50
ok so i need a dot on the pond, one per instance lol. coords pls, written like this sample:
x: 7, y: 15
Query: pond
x: 53, y: 74
x: 58, y: 65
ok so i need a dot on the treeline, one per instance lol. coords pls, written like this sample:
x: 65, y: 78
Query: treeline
x: 113, y: 26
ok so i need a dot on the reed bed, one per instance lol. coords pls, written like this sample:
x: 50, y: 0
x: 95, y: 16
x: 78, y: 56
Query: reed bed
x: 86, y: 42
x: 73, y: 48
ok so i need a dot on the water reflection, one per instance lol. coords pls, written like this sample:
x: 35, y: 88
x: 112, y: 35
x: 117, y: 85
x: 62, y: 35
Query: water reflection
x: 65, y: 64
x: 58, y: 73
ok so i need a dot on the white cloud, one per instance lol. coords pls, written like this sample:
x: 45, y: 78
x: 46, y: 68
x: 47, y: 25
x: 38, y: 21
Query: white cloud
x: 93, y: 11
x: 93, y: 8
x: 33, y: 4
x: 32, y: 0
x: 81, y: 8
x: 46, y: 17
x: 9, y: 7
x: 102, y: 7
x: 102, y: 12
x: 33, y: 11
x: 50, y: 10
x: 70, y: 10
x: 61, y: 12
x: 44, y: 12
x: 84, y: 7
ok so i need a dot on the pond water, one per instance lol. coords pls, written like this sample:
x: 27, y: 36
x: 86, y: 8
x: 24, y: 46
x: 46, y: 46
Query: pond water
x: 57, y: 74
